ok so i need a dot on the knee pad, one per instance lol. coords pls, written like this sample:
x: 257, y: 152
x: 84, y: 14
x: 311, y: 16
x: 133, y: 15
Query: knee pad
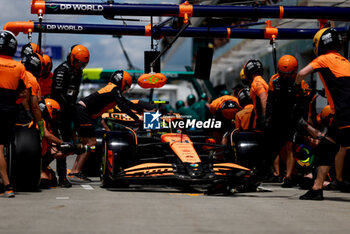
x: 326, y: 151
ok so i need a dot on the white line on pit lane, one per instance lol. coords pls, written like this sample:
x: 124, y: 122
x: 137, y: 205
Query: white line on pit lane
x: 87, y: 187
x: 62, y: 198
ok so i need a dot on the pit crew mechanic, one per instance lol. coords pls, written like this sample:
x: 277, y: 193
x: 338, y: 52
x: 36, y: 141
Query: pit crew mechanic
x: 334, y: 72
x: 93, y: 106
x: 51, y: 144
x: 253, y: 71
x: 33, y: 65
x: 245, y: 120
x: 281, y: 114
x: 65, y: 88
x: 45, y: 80
x: 13, y: 79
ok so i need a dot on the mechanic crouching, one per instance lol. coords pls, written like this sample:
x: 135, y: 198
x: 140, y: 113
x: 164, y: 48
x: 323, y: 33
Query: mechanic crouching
x: 51, y: 143
x: 93, y: 106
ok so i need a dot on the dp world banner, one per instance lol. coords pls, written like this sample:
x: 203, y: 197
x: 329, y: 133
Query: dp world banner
x: 55, y: 52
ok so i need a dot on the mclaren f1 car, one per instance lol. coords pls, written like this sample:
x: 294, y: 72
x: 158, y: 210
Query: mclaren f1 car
x: 165, y: 158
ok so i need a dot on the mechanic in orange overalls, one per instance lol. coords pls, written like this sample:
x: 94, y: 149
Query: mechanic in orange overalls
x: 45, y: 80
x: 245, y: 120
x: 224, y: 108
x: 12, y: 80
x: 334, y: 72
x: 253, y: 70
x: 51, y: 143
x: 33, y: 65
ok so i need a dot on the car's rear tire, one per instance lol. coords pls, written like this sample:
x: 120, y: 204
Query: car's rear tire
x: 24, y: 159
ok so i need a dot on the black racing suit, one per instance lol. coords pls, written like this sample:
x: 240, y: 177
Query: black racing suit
x: 65, y: 89
x: 284, y: 108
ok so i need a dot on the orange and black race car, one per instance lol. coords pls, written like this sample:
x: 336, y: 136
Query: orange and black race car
x: 166, y: 158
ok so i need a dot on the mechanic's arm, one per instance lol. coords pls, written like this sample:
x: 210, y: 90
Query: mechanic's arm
x: 52, y: 138
x: 34, y: 103
x: 303, y: 73
x: 133, y: 106
x: 24, y: 95
x: 105, y: 125
x: 263, y: 100
x: 122, y: 104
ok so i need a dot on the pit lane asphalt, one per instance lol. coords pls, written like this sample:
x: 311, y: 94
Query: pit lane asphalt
x: 91, y: 209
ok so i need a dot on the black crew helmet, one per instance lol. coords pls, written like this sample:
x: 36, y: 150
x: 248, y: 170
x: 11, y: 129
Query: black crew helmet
x: 253, y: 66
x: 8, y: 43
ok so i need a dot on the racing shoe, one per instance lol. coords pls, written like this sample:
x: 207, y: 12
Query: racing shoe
x: 313, y: 195
x: 288, y: 182
x: 346, y: 187
x: 9, y: 193
x: 78, y: 178
x: 64, y: 183
x: 334, y: 185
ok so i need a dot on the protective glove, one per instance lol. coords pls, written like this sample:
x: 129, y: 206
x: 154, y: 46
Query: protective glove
x: 41, y: 125
x: 302, y: 123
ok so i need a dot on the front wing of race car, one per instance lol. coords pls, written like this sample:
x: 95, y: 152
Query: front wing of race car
x: 177, y: 174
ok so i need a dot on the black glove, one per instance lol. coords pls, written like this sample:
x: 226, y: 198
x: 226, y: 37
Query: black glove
x: 66, y: 147
x: 302, y: 123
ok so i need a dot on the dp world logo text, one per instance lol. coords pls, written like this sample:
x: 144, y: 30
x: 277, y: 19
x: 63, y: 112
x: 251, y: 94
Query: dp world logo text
x: 151, y: 120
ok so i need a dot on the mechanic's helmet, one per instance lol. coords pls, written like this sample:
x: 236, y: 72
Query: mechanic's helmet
x: 253, y: 67
x: 304, y: 155
x: 287, y: 67
x: 204, y: 96
x: 229, y: 109
x: 78, y: 57
x: 8, y: 43
x: 244, y: 97
x: 326, y: 116
x: 325, y: 40
x: 122, y: 79
x: 224, y: 92
x: 33, y: 63
x: 179, y: 104
x: 47, y: 67
x: 50, y: 108
x: 191, y: 99
x: 30, y: 48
